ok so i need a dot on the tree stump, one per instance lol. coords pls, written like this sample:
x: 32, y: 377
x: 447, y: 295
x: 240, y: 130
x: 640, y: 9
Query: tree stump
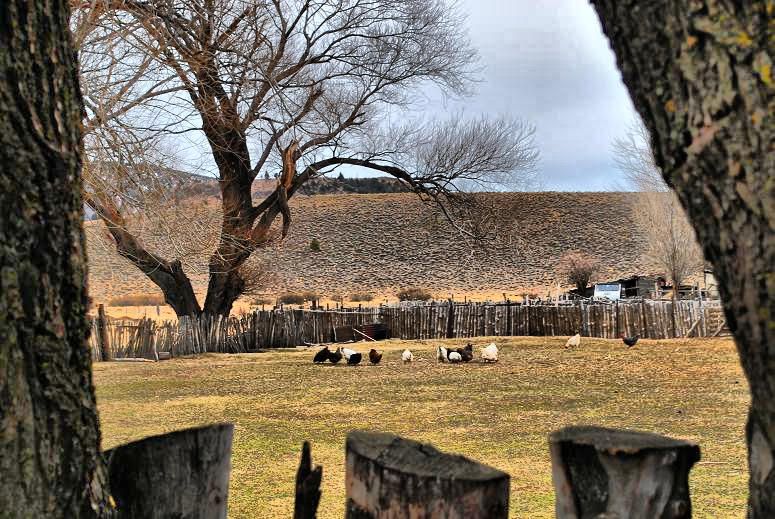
x: 307, y: 486
x: 183, y: 474
x: 619, y: 474
x: 388, y: 476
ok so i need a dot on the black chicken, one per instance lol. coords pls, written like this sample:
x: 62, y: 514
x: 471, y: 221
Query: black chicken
x: 374, y: 356
x: 630, y: 341
x: 466, y: 354
x: 354, y: 359
x: 322, y: 355
x: 335, y: 356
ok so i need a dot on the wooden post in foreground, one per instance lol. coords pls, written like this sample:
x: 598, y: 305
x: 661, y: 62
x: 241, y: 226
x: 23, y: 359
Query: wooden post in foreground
x: 180, y: 474
x: 388, y: 476
x: 307, y: 486
x: 599, y: 472
x: 102, y: 333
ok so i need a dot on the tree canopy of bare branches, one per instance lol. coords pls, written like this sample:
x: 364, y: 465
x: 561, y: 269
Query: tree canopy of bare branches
x: 293, y: 87
x: 672, y: 243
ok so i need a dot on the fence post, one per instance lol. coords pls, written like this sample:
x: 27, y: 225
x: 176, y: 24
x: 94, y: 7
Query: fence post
x: 103, y: 340
x: 599, y: 472
x: 307, y: 486
x: 388, y: 476
x: 180, y: 474
x: 451, y: 320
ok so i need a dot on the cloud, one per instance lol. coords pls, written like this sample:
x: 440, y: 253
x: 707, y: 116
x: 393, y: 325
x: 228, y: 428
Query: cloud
x: 549, y: 63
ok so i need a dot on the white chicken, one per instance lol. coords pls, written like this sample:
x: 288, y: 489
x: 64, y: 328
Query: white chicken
x: 573, y: 341
x: 490, y: 353
x: 407, y: 356
x: 347, y: 352
x: 455, y: 357
x: 441, y: 354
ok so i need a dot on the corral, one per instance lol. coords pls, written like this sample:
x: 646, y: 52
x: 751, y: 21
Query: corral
x: 498, y: 414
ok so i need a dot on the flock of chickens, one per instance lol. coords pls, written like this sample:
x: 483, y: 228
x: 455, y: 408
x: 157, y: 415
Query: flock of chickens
x: 487, y: 354
x: 453, y: 356
x: 628, y: 341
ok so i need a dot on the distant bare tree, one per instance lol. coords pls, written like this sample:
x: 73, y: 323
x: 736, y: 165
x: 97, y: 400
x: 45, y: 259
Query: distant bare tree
x: 578, y: 268
x: 672, y: 243
x: 300, y: 87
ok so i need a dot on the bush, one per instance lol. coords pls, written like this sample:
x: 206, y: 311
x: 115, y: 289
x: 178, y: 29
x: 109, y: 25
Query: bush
x: 138, y: 300
x: 314, y: 245
x: 298, y: 298
x: 357, y: 297
x: 414, y: 294
x: 578, y: 268
x: 261, y: 301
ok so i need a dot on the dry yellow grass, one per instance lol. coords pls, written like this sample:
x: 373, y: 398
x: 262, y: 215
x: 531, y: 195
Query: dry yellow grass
x: 498, y: 414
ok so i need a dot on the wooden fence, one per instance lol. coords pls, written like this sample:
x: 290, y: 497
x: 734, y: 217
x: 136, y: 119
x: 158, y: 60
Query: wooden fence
x: 281, y: 328
x: 132, y: 338
x: 648, y: 319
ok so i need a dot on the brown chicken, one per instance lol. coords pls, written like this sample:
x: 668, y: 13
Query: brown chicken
x: 374, y: 356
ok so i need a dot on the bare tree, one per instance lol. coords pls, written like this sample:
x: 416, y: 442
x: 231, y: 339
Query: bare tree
x: 300, y: 87
x: 672, y: 243
x: 578, y: 268
x: 700, y: 76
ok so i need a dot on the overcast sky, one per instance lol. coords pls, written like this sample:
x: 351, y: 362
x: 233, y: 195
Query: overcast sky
x: 547, y: 61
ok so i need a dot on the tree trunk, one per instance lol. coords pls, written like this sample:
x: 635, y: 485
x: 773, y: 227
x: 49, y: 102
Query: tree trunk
x: 50, y: 463
x: 223, y: 289
x: 700, y: 75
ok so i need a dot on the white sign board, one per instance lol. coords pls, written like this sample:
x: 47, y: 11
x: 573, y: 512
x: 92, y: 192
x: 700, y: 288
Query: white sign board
x: 610, y: 291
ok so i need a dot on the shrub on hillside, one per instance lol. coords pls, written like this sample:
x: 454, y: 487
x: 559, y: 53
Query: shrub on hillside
x: 358, y: 297
x: 414, y: 294
x: 314, y: 245
x: 137, y: 300
x: 298, y: 298
x: 578, y: 268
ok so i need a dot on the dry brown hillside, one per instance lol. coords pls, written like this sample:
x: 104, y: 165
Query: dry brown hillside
x: 378, y: 243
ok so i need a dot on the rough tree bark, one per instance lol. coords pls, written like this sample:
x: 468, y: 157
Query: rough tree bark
x: 50, y: 463
x: 700, y: 75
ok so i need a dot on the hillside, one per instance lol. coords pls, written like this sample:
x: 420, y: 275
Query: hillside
x: 378, y: 243
x: 335, y: 186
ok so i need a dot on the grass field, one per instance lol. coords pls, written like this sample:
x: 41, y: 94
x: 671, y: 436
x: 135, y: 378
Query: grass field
x: 497, y: 414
